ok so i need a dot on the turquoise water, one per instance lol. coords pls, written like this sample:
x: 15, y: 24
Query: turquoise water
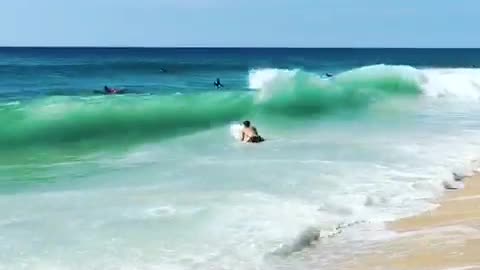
x: 154, y: 179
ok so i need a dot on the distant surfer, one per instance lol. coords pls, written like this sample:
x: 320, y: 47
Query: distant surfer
x: 111, y: 91
x: 250, y: 134
x: 328, y: 75
x: 218, y: 84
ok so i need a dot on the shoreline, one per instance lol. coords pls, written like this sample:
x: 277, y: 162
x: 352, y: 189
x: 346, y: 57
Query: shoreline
x: 447, y: 237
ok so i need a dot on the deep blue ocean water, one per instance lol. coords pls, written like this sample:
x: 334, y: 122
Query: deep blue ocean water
x: 27, y: 72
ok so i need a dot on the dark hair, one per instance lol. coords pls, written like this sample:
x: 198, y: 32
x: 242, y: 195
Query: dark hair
x: 246, y: 123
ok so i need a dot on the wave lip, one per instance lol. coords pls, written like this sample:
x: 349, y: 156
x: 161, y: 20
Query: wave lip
x: 461, y: 83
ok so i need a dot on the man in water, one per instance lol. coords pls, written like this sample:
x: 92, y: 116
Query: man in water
x: 109, y: 90
x: 217, y: 83
x: 250, y: 134
x: 112, y: 91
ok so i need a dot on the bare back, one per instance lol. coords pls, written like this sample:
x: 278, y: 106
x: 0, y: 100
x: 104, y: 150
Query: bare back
x: 248, y: 133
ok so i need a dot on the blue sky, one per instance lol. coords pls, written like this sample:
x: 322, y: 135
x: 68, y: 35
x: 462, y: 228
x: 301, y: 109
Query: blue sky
x: 292, y: 23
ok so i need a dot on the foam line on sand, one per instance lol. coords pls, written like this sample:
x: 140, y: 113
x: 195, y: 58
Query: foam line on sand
x: 447, y: 237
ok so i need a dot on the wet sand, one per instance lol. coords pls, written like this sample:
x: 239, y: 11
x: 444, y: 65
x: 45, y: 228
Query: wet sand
x: 447, y: 237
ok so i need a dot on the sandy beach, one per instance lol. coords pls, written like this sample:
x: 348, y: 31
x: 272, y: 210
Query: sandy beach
x: 447, y: 237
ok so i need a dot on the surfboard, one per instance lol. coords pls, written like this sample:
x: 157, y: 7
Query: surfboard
x: 236, y: 131
x: 104, y: 93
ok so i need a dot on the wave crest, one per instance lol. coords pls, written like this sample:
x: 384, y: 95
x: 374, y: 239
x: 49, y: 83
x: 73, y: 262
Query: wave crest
x: 300, y: 92
x: 57, y: 120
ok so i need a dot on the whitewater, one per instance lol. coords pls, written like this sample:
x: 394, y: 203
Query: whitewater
x: 157, y: 179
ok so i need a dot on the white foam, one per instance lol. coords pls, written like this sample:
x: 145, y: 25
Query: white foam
x: 261, y: 78
x: 235, y: 131
x: 462, y: 83
x: 200, y: 203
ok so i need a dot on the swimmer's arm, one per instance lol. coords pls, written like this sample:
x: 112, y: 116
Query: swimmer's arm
x: 242, y: 136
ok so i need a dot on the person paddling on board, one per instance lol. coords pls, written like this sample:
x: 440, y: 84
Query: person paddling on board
x: 250, y: 133
x: 109, y: 90
x: 218, y: 84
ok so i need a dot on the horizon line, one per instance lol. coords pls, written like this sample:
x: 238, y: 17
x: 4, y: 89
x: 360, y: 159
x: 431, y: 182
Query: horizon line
x: 225, y: 47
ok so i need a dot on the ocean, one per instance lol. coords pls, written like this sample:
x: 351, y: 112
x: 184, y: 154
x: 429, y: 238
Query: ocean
x: 156, y: 179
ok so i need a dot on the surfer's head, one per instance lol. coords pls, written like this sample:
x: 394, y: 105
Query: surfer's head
x: 246, y: 123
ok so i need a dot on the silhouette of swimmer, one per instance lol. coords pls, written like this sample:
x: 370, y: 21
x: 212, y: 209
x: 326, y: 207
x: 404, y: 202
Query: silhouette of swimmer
x: 328, y: 75
x: 111, y: 91
x: 218, y: 84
